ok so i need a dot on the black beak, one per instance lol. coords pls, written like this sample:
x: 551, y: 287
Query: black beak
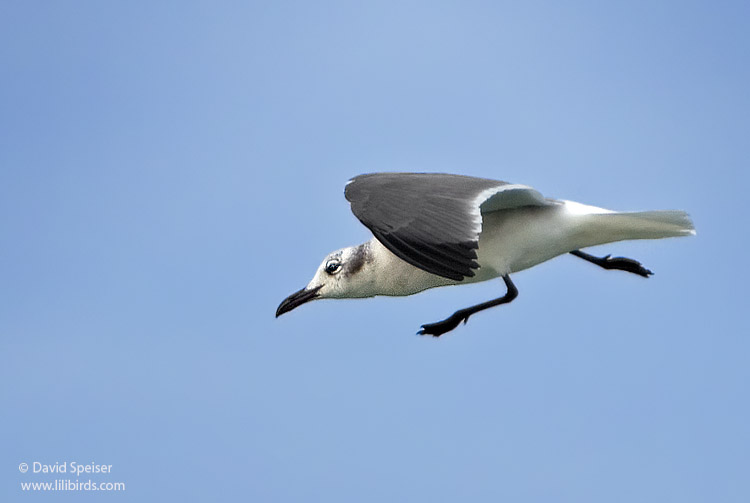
x: 297, y: 299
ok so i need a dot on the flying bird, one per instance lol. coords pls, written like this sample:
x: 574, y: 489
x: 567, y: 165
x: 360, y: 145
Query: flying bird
x: 432, y: 229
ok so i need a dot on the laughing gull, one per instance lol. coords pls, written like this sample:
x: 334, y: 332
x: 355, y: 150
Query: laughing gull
x: 439, y: 229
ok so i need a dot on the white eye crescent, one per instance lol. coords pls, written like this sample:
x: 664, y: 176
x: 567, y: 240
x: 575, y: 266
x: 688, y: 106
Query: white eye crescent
x: 333, y: 266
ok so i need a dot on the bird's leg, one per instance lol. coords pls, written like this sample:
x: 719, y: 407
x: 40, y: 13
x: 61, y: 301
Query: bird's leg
x: 448, y: 324
x: 609, y: 262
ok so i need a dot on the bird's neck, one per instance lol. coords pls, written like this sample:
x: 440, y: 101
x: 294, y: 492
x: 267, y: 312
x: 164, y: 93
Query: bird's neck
x: 390, y: 275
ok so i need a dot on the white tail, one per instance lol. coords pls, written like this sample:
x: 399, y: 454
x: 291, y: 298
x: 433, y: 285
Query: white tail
x: 601, y: 228
x: 654, y: 224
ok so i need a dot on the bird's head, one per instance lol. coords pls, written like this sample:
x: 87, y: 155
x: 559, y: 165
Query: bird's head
x: 343, y: 274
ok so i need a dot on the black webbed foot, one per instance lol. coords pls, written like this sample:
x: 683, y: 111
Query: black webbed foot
x: 441, y: 327
x: 448, y: 324
x: 625, y: 264
x: 615, y: 263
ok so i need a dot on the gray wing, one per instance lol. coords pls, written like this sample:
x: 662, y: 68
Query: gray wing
x: 430, y: 220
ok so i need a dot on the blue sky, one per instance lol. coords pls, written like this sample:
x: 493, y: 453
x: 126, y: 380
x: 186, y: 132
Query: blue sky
x: 170, y: 172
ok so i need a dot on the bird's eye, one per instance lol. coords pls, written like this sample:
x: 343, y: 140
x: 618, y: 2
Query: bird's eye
x: 333, y: 266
